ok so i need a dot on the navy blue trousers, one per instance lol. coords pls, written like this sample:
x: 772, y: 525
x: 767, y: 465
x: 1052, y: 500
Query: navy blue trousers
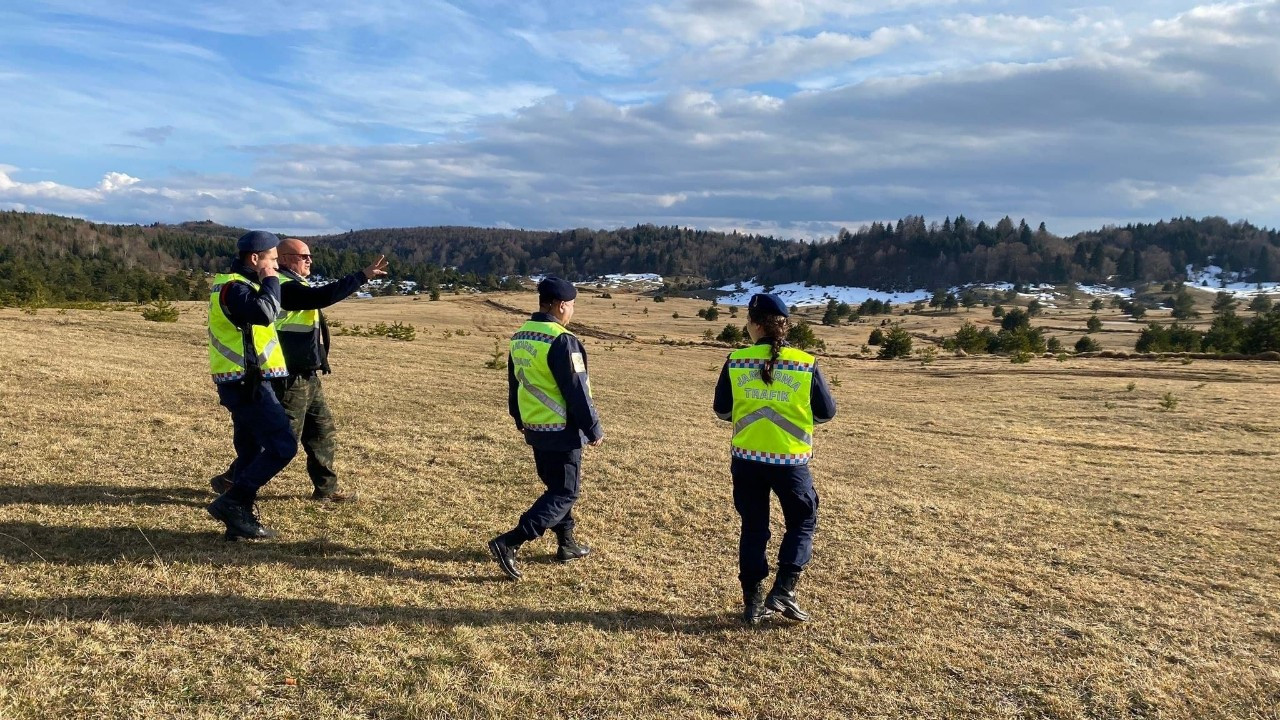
x: 793, y: 484
x: 561, y: 472
x: 261, y: 434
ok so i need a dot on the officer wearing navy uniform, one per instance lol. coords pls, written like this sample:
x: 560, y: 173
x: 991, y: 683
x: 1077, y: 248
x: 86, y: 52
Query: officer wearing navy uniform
x: 304, y: 338
x: 549, y: 396
x: 774, y: 394
x: 246, y: 360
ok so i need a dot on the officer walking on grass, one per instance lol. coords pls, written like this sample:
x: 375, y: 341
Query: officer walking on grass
x: 246, y: 361
x: 549, y: 396
x: 304, y: 338
x: 773, y: 394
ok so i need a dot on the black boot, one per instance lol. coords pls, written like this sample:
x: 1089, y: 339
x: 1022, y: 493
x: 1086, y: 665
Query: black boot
x: 241, y: 523
x: 220, y: 483
x: 505, y: 555
x: 782, y: 598
x: 754, y: 610
x: 569, y: 548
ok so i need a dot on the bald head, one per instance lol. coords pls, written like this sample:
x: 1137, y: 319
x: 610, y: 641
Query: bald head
x: 295, y: 256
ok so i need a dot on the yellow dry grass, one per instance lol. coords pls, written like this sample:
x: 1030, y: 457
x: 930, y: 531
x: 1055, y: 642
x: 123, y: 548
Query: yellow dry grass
x: 996, y: 540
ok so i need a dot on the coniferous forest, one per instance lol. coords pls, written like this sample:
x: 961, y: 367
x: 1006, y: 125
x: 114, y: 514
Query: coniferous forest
x: 48, y: 258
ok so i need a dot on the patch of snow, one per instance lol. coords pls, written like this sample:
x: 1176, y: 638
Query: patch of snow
x: 615, y: 280
x: 1104, y: 290
x: 1212, y: 279
x: 802, y: 295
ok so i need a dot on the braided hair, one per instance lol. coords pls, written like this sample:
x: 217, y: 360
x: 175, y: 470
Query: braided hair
x: 775, y: 328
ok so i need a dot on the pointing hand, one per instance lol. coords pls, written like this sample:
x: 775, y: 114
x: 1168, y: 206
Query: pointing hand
x: 377, y: 269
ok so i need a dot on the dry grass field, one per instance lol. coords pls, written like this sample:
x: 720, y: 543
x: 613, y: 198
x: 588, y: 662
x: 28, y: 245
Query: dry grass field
x: 996, y: 540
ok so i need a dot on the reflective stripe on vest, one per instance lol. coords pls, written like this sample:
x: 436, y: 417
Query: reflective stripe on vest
x: 299, y: 321
x: 541, y: 402
x: 772, y: 423
x: 227, y: 342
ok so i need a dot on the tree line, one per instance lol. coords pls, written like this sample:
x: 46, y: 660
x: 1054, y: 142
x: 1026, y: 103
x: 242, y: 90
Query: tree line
x: 52, y: 259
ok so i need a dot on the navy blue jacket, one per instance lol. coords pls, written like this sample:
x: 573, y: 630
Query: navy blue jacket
x: 820, y: 399
x: 245, y: 307
x: 309, y: 353
x: 583, y: 424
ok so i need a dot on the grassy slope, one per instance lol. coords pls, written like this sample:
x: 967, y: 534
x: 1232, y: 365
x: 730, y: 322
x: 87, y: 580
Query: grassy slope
x: 995, y: 540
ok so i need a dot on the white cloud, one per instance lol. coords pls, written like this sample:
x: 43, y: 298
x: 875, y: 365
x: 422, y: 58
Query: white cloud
x: 1068, y: 118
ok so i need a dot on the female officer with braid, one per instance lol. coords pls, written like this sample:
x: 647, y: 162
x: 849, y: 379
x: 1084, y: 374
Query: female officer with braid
x: 773, y: 394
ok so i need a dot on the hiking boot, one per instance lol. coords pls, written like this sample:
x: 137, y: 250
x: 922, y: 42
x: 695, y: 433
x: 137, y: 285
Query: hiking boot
x: 782, y: 598
x: 505, y: 555
x: 336, y: 496
x: 569, y: 548
x: 241, y: 522
x: 754, y: 610
x: 220, y: 483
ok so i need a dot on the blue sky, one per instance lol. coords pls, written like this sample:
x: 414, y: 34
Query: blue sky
x: 792, y: 117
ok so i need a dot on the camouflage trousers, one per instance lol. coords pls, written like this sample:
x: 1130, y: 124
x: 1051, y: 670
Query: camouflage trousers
x: 304, y: 403
x: 313, y: 427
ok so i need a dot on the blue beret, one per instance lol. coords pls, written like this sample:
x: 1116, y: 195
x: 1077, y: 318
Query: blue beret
x: 768, y: 304
x: 256, y: 241
x: 553, y: 288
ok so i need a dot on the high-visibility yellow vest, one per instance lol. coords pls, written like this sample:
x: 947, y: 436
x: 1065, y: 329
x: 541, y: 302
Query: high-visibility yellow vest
x: 227, y: 342
x: 542, y: 407
x: 772, y: 423
x: 299, y: 321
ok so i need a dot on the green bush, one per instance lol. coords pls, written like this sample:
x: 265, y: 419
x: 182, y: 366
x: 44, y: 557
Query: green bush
x: 498, y: 361
x: 897, y: 343
x: 876, y: 338
x: 1087, y: 344
x: 731, y: 334
x: 801, y: 335
x: 160, y: 311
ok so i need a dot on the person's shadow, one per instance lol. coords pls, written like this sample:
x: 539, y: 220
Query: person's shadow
x: 32, y: 543
x: 27, y: 542
x: 212, y: 609
x: 89, y: 494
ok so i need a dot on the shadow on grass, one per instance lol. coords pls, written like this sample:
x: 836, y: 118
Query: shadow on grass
x: 36, y: 543
x: 77, y: 494
x: 209, y: 609
x: 534, y: 553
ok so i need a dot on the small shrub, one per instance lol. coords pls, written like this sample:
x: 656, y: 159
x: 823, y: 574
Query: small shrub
x: 877, y: 337
x: 1094, y: 324
x: 1168, y: 401
x: 606, y: 296
x: 1020, y: 358
x: 1087, y: 344
x: 897, y: 343
x: 801, y: 335
x: 1130, y: 386
x: 159, y: 311
x: 499, y: 360
x: 659, y: 298
x: 403, y: 332
x: 675, y: 315
x: 928, y: 355
x: 731, y: 334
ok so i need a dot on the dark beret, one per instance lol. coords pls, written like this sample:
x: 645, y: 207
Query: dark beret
x: 553, y: 288
x: 768, y: 304
x: 256, y: 241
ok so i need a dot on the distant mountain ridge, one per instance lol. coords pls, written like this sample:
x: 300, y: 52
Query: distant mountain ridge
x: 58, y: 258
